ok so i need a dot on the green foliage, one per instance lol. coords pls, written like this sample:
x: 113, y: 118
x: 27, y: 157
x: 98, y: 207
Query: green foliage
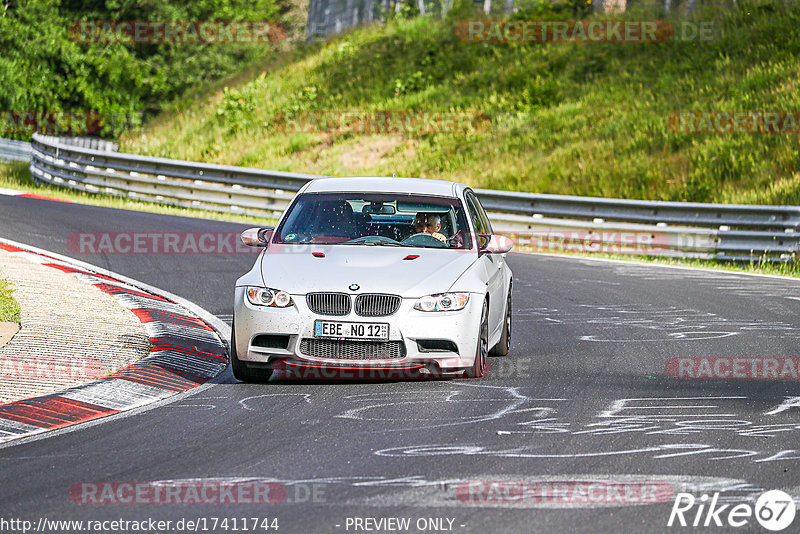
x: 585, y: 119
x: 43, y: 69
x: 548, y: 9
x: 9, y: 308
x: 303, y: 100
x: 236, y: 109
x: 416, y: 81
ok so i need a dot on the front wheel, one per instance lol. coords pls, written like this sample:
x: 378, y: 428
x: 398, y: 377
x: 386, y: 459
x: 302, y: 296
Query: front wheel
x: 504, y: 345
x: 240, y: 369
x: 478, y: 369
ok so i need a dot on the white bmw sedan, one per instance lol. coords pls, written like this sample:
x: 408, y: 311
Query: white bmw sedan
x: 389, y: 274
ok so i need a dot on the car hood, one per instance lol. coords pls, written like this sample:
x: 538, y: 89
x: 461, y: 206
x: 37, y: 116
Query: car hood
x: 295, y: 269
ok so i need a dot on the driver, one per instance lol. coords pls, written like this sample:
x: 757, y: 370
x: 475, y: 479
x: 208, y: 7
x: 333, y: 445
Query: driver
x: 429, y: 223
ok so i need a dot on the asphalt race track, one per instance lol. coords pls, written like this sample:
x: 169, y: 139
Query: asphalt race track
x: 583, y: 396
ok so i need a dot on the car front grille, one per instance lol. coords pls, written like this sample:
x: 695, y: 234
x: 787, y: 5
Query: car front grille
x: 329, y: 303
x: 366, y: 305
x: 352, y: 350
x: 377, y: 305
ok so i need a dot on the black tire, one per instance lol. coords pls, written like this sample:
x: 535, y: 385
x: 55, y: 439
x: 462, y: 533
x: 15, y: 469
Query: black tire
x: 478, y: 369
x: 504, y: 345
x: 240, y: 370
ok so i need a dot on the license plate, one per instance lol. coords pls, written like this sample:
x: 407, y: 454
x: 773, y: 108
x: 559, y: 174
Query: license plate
x: 342, y: 330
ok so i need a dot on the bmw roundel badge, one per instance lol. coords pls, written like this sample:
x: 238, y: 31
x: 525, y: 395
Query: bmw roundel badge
x: 354, y: 287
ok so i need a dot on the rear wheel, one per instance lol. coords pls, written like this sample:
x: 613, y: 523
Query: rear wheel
x: 240, y: 369
x: 504, y: 345
x: 478, y: 369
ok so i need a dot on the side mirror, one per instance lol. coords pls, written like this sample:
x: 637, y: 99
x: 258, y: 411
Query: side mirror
x: 257, y: 237
x: 497, y: 244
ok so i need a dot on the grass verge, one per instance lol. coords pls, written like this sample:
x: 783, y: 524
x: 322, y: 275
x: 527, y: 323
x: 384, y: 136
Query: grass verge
x: 9, y: 308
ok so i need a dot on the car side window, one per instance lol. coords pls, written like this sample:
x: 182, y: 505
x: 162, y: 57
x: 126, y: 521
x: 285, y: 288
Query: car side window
x: 473, y: 215
x: 487, y: 224
x: 477, y: 222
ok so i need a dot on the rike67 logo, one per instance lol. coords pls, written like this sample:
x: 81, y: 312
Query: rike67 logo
x: 774, y: 510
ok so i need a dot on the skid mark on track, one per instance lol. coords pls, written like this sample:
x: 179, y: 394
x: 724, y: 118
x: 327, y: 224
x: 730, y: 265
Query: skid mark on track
x: 654, y: 421
x: 650, y: 323
x: 533, y: 452
x: 510, y: 400
x: 244, y: 402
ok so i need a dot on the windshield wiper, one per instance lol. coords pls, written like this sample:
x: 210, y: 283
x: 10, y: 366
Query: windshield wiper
x: 377, y: 244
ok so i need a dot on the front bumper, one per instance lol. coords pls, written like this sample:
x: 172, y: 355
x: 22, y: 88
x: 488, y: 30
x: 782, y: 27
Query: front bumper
x: 455, y: 335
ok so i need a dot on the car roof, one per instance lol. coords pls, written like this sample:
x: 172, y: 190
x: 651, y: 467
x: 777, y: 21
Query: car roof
x: 379, y: 184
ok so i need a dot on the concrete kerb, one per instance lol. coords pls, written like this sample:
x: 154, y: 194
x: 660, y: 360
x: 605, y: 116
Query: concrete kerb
x: 187, y: 350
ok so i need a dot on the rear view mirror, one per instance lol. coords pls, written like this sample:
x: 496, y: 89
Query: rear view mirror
x: 497, y: 244
x: 378, y: 209
x: 257, y: 237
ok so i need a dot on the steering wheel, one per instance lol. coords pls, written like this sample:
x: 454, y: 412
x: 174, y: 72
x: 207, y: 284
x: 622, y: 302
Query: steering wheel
x: 424, y: 240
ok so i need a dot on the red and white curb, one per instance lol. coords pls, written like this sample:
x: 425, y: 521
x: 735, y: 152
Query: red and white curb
x: 25, y: 194
x: 186, y: 352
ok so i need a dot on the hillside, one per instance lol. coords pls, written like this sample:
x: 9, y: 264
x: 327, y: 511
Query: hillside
x: 570, y: 118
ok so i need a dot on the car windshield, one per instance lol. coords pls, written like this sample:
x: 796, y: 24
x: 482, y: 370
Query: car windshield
x: 376, y: 219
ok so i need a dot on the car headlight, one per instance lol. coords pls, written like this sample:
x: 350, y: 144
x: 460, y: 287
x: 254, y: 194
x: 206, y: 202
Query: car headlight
x: 442, y: 302
x: 259, y: 296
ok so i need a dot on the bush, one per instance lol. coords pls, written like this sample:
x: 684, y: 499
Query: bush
x: 41, y: 69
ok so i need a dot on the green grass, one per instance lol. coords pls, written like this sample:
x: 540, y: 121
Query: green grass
x: 17, y: 176
x: 9, y: 308
x: 581, y: 119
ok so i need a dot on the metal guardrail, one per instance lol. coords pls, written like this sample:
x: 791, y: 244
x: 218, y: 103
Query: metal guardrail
x: 537, y: 221
x: 11, y: 150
